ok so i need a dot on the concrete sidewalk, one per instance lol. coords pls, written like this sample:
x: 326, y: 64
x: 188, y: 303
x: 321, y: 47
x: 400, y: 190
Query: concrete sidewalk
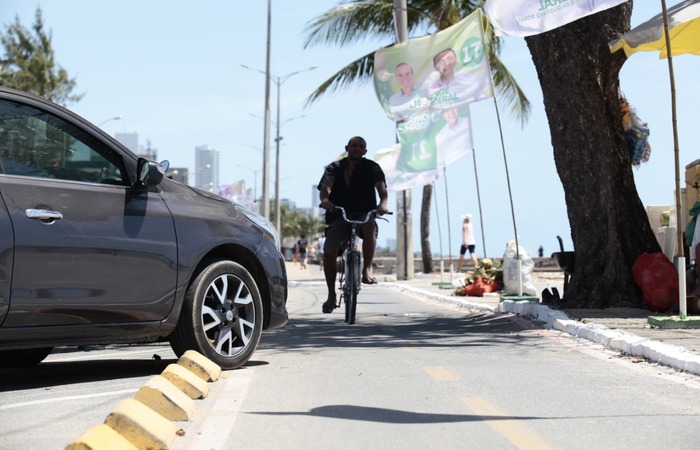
x: 621, y: 329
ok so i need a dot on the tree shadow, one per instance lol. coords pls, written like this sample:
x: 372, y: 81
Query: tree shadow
x: 384, y: 331
x: 386, y: 415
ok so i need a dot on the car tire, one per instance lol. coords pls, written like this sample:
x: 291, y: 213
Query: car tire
x: 222, y: 316
x: 24, y: 357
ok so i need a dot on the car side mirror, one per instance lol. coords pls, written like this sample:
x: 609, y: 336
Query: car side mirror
x: 148, y: 173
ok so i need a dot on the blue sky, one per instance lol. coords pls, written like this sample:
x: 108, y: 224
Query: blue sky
x: 173, y: 70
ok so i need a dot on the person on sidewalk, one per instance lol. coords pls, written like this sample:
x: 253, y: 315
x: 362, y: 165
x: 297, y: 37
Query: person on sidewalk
x: 302, y: 245
x: 321, y: 244
x: 352, y: 182
x: 468, y: 242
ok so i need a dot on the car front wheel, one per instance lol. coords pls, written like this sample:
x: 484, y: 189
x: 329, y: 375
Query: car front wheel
x: 222, y: 316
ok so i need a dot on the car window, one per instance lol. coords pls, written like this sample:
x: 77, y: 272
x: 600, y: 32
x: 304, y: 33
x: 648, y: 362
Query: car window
x: 38, y: 144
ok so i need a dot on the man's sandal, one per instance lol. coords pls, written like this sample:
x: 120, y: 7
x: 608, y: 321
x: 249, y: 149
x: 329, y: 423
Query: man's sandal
x: 329, y: 306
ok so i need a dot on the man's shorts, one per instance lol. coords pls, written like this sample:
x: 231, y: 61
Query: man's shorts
x: 338, y: 234
x: 463, y: 249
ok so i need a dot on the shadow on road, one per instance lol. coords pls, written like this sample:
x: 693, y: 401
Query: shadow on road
x: 475, y: 329
x: 57, y: 373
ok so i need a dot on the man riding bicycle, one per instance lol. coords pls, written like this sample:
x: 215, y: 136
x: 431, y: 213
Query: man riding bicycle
x: 352, y: 182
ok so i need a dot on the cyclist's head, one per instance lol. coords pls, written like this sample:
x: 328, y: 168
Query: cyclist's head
x: 357, y: 147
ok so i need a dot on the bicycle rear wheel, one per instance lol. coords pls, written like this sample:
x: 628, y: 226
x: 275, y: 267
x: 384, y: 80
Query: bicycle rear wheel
x: 352, y: 286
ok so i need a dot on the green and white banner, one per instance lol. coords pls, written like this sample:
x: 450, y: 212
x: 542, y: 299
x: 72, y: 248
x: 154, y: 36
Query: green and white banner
x: 426, y: 85
x: 530, y: 17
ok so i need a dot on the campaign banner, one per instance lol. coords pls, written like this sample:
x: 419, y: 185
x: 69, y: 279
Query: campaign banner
x: 530, y: 17
x: 236, y: 192
x: 399, y: 180
x: 426, y: 85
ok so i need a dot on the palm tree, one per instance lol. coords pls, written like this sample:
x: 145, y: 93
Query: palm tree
x: 355, y: 20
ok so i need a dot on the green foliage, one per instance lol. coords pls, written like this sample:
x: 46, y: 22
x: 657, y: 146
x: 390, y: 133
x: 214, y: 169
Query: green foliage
x: 295, y: 223
x: 28, y: 63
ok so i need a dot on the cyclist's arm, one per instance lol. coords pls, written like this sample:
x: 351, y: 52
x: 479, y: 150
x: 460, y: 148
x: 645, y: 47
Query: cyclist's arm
x: 382, y: 208
x: 324, y: 194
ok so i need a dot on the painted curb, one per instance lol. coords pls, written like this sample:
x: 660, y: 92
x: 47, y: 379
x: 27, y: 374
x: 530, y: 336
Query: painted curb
x: 146, y: 421
x: 166, y: 399
x: 97, y: 435
x: 189, y: 383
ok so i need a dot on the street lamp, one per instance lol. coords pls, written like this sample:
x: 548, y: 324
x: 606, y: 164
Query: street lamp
x: 255, y: 181
x: 277, y: 165
x: 119, y: 117
x: 266, y: 132
x: 278, y: 82
x: 278, y: 212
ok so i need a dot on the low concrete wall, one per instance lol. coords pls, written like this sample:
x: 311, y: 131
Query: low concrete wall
x: 387, y: 264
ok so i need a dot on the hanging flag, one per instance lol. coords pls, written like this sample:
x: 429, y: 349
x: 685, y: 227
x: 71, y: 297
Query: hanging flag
x: 529, y: 17
x: 426, y: 84
x: 399, y: 180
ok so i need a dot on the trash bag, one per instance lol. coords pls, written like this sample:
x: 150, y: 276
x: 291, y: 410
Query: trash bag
x: 636, y: 133
x: 510, y: 270
x: 658, y: 279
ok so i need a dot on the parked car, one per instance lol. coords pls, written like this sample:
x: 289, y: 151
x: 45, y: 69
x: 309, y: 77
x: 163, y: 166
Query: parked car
x: 98, y: 246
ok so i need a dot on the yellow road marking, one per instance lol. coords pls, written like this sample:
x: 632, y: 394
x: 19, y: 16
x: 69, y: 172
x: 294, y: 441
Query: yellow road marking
x: 439, y: 373
x: 517, y: 434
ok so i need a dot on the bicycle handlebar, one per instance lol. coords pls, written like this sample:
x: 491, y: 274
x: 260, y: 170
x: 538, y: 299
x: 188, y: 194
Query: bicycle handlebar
x: 370, y: 214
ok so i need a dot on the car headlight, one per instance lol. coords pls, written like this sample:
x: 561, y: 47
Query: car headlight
x: 263, y: 223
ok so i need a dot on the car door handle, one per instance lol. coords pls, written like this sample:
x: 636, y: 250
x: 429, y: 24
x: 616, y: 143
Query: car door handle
x: 43, y: 214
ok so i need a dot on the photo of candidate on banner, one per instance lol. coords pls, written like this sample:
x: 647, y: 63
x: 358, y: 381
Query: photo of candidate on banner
x: 426, y: 85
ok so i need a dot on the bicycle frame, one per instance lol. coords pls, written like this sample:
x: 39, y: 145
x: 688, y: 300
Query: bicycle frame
x: 351, y: 274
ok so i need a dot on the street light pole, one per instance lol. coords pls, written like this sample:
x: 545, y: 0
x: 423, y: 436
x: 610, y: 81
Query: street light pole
x: 266, y: 137
x: 255, y: 181
x: 278, y: 210
x: 119, y: 117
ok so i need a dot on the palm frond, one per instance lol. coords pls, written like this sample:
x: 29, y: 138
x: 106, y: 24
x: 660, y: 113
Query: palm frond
x: 508, y: 90
x: 351, y: 22
x: 355, y: 73
x: 356, y: 20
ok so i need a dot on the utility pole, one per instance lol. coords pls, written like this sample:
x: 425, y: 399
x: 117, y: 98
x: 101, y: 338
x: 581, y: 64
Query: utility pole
x: 266, y: 137
x: 404, y: 222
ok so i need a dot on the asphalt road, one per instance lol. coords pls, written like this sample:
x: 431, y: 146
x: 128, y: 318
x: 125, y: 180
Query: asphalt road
x: 415, y: 373
x: 49, y: 405
x: 411, y: 373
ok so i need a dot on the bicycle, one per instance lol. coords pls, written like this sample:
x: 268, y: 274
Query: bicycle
x: 351, y: 270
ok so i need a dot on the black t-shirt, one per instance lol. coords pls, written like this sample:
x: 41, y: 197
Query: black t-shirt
x: 360, y: 195
x: 302, y: 243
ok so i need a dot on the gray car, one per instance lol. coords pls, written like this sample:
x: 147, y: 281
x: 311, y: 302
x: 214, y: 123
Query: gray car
x: 98, y: 246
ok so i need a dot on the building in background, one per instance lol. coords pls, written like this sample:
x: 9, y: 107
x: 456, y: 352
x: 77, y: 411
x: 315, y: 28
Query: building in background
x: 206, y: 168
x: 179, y: 174
x: 315, y: 211
x: 129, y: 140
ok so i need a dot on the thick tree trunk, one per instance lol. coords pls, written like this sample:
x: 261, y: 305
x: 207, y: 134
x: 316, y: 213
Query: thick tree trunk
x: 425, y: 229
x: 609, y: 226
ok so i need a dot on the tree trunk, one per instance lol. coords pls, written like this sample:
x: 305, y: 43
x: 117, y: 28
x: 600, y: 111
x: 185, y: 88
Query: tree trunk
x: 425, y: 229
x: 609, y: 226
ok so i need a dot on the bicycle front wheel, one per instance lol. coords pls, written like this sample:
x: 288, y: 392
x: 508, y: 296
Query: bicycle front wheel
x: 352, y: 286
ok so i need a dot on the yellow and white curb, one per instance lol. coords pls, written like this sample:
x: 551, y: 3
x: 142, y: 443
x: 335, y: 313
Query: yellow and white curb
x: 146, y: 421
